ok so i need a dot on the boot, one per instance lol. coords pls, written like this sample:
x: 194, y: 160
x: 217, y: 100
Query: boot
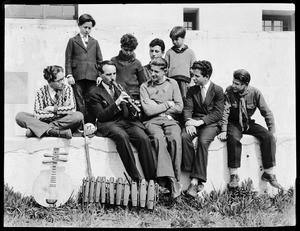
x: 65, y: 133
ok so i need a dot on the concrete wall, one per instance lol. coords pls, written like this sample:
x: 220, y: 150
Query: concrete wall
x: 229, y: 36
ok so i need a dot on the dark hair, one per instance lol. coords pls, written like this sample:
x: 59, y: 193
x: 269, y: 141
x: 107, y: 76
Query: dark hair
x: 103, y: 63
x: 204, y: 66
x: 161, y: 62
x: 128, y: 40
x: 177, y: 31
x: 158, y: 42
x: 242, y: 75
x: 86, y: 18
x: 50, y: 72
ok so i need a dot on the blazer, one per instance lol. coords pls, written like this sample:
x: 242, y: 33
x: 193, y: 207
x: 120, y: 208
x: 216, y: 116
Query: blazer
x: 107, y: 112
x: 211, y: 110
x: 81, y: 61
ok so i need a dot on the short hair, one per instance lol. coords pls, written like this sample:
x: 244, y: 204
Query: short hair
x: 177, y: 31
x: 158, y: 42
x: 86, y: 18
x: 50, y: 72
x: 103, y: 63
x: 128, y: 40
x: 242, y: 75
x: 161, y: 62
x: 204, y: 66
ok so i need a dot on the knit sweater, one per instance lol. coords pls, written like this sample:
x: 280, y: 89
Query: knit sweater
x: 66, y: 103
x: 179, y: 64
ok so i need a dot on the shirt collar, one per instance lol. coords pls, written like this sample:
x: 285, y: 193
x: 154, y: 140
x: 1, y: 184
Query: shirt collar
x: 150, y: 82
x: 206, y: 86
x: 106, y: 86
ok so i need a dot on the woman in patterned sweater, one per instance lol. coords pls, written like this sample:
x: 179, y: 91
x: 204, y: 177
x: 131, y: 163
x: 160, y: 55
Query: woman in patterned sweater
x: 54, y: 108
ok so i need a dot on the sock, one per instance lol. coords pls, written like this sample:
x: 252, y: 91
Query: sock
x: 233, y: 171
x: 194, y: 181
x: 270, y: 170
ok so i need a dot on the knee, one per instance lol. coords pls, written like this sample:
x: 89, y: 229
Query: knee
x: 20, y: 117
x: 185, y: 137
x: 203, y: 142
x: 78, y: 116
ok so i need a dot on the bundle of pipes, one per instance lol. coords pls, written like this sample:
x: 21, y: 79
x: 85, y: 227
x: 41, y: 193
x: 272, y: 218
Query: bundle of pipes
x: 120, y: 192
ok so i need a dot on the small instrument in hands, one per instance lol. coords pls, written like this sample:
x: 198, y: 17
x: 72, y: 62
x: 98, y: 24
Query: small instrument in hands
x: 130, y: 101
x: 53, y: 188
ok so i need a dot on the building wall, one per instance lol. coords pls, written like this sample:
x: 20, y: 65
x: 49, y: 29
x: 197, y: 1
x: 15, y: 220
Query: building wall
x: 229, y: 36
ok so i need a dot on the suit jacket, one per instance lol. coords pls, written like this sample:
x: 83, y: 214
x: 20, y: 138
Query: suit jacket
x: 211, y: 110
x: 82, y: 62
x: 107, y: 112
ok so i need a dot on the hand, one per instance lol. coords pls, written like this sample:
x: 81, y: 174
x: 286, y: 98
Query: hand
x: 98, y: 81
x: 171, y: 104
x: 137, y: 103
x: 123, y: 97
x: 49, y: 109
x: 192, y: 122
x: 191, y: 130
x: 222, y: 136
x: 71, y: 80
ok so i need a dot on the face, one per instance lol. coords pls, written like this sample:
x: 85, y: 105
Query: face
x: 86, y: 28
x: 109, y: 74
x: 198, y: 78
x: 58, y: 83
x: 238, y: 86
x: 127, y: 51
x: 155, y: 52
x: 157, y: 74
x: 178, y: 42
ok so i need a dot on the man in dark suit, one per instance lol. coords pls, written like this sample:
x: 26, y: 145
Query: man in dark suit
x: 202, y: 114
x: 115, y: 121
x: 82, y: 56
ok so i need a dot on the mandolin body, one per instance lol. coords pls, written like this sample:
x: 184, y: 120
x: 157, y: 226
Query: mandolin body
x: 48, y: 196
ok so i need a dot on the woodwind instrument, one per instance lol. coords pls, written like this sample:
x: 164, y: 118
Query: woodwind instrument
x: 120, y: 88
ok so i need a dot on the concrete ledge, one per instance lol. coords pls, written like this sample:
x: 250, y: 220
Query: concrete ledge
x: 24, y: 156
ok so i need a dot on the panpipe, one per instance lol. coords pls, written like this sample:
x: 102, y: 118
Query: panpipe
x: 120, y: 192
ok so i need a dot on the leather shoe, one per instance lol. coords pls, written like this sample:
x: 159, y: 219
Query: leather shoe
x: 67, y: 134
x: 29, y: 133
x: 163, y: 190
x: 271, y: 178
x: 234, y: 181
x: 192, y: 190
x: 176, y: 188
x: 200, y: 187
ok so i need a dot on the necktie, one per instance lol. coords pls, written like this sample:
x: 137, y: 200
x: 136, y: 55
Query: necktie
x: 243, y: 117
x: 112, y: 92
x: 203, y: 93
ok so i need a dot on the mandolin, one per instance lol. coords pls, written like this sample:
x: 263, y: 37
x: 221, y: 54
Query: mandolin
x: 52, y: 188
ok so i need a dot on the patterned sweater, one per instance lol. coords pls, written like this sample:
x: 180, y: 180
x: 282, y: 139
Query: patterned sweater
x: 66, y: 103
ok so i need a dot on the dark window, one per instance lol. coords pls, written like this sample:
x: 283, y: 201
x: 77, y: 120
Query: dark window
x: 278, y: 21
x: 53, y: 11
x: 190, y: 18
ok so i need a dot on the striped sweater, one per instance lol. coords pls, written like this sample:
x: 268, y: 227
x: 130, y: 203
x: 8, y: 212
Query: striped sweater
x: 66, y: 103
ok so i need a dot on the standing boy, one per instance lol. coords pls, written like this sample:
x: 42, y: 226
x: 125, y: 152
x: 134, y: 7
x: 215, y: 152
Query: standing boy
x: 156, y: 50
x: 180, y: 58
x: 202, y: 115
x: 241, y: 101
x: 162, y: 103
x: 83, y: 54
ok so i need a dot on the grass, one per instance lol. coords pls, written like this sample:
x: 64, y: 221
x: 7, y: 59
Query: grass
x: 240, y: 208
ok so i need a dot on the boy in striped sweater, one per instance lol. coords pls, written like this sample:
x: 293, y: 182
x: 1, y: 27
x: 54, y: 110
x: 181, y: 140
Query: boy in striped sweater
x: 55, y: 112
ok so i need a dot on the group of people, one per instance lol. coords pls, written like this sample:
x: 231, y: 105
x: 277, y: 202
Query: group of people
x: 158, y: 108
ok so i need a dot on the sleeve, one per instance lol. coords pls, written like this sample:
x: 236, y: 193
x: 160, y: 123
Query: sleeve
x: 140, y: 73
x: 188, y: 106
x: 39, y: 106
x: 265, y: 112
x: 167, y: 58
x: 226, y: 111
x: 99, y: 57
x: 68, y: 58
x: 193, y: 58
x: 149, y: 106
x: 69, y: 103
x: 177, y: 98
x: 216, y: 114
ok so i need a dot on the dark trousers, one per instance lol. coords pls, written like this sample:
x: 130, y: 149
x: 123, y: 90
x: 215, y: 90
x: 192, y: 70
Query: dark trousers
x: 196, y: 162
x: 234, y: 146
x: 81, y: 90
x: 123, y: 133
x: 27, y: 120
